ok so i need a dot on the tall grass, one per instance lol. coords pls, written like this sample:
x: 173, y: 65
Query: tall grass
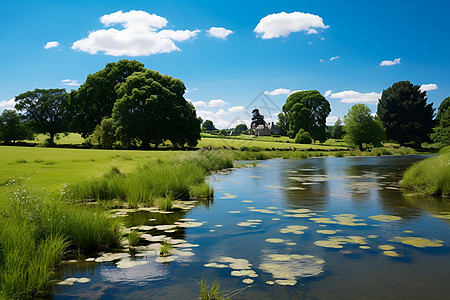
x: 35, y: 233
x: 213, y: 293
x: 157, y: 182
x: 430, y: 176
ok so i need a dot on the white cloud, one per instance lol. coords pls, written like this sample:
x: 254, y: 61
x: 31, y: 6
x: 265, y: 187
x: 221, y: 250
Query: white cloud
x: 279, y: 91
x: 321, y: 60
x: 239, y: 108
x: 216, y: 103
x: 52, y: 44
x: 139, y: 36
x: 199, y: 104
x: 428, y: 87
x: 331, y: 120
x: 356, y: 97
x: 282, y: 24
x: 7, y: 104
x: 390, y: 62
x: 219, y: 32
x: 69, y: 82
x: 334, y: 57
x: 328, y: 93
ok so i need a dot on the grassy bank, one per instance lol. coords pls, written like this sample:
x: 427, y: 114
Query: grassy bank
x: 430, y: 176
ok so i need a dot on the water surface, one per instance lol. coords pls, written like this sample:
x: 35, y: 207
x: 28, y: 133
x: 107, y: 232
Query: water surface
x: 347, y: 191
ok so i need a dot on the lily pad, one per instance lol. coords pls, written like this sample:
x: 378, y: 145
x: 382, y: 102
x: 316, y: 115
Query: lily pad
x: 385, y: 218
x: 130, y: 264
x: 392, y: 254
x: 71, y: 281
x: 247, y: 281
x: 386, y: 247
x: 296, y: 229
x: 215, y: 265
x: 274, y: 240
x: 326, y: 231
x: 418, y: 242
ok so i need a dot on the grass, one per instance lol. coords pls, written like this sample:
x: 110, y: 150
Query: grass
x: 213, y: 293
x: 134, y: 237
x: 430, y: 176
x: 36, y: 232
x: 165, y: 248
x: 159, y: 182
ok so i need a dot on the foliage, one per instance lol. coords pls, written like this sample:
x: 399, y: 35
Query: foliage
x: 94, y: 100
x: 307, y: 110
x: 241, y: 128
x: 151, y: 108
x: 134, y: 237
x: 165, y: 248
x: 46, y: 110
x: 12, y: 128
x: 362, y: 128
x: 442, y: 130
x: 208, y: 125
x: 303, y: 137
x: 430, y: 176
x: 223, y: 132
x: 105, y: 133
x: 213, y: 293
x: 337, y: 131
x: 404, y: 111
x: 257, y: 119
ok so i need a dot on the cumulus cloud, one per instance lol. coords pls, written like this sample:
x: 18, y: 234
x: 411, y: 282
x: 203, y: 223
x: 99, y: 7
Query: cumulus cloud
x: 139, y: 36
x: 216, y: 103
x: 279, y: 91
x: 53, y: 44
x: 328, y: 93
x: 331, y: 120
x: 356, y: 97
x: 69, y: 82
x: 283, y: 24
x: 219, y: 32
x: 390, y: 62
x: 428, y: 87
x: 334, y: 57
x: 239, y: 108
x: 7, y: 104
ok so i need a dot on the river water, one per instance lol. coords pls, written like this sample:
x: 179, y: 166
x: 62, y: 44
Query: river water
x: 274, y: 224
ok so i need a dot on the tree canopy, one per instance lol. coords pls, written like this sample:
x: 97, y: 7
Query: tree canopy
x: 257, y: 119
x: 337, y: 131
x: 12, y: 128
x: 404, y: 111
x: 362, y: 128
x: 442, y: 130
x: 208, y: 125
x: 241, y: 128
x: 94, y: 100
x: 307, y: 110
x: 151, y: 108
x: 45, y: 110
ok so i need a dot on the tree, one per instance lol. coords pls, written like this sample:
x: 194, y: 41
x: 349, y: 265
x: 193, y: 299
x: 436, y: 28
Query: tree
x: 362, y: 128
x: 94, y: 100
x: 208, y: 125
x: 442, y: 130
x: 307, y: 110
x: 223, y: 132
x: 12, y: 128
x: 241, y: 128
x: 337, y: 130
x: 46, y: 110
x: 257, y: 119
x: 105, y: 133
x: 303, y: 137
x: 404, y: 111
x: 151, y: 108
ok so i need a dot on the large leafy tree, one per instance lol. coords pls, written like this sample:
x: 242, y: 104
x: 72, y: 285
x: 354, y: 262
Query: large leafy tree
x: 12, y: 127
x: 337, y: 131
x: 257, y: 119
x: 404, y: 111
x: 151, y: 108
x: 362, y: 128
x: 95, y: 98
x: 208, y: 125
x: 45, y: 110
x: 306, y: 110
x: 442, y: 130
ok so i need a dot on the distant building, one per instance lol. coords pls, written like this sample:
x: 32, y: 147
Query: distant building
x: 266, y: 130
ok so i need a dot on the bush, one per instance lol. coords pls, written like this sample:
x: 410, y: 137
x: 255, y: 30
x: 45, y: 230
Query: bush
x: 303, y: 137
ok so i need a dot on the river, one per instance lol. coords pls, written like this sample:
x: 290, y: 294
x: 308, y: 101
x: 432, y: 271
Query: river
x: 318, y: 228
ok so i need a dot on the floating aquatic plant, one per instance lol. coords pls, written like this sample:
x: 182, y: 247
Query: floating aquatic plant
x: 296, y: 229
x: 418, y: 242
x: 385, y: 218
x: 273, y: 240
x: 386, y: 247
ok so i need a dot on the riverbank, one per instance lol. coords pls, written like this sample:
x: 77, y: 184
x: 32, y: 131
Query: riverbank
x: 430, y: 176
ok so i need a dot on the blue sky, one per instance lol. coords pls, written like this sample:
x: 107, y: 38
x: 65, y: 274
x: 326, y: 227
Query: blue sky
x: 232, y: 55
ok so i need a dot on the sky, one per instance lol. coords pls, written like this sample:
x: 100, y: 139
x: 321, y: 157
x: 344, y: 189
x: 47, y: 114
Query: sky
x: 233, y: 56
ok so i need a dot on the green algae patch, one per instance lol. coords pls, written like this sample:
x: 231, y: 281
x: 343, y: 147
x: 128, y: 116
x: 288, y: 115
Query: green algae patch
x: 273, y: 240
x: 418, y: 242
x: 392, y: 254
x: 326, y: 231
x: 386, y: 247
x: 263, y: 211
x: 385, y: 218
x: 364, y: 247
x: 295, y: 229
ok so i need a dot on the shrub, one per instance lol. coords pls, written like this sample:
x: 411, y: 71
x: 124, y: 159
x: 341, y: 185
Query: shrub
x: 303, y: 137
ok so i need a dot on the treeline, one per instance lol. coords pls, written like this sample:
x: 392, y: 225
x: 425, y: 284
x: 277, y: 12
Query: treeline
x: 123, y: 103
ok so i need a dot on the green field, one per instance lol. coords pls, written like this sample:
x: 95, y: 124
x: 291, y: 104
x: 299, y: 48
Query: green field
x: 52, y: 167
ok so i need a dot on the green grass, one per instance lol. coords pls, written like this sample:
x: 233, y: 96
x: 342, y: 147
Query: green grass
x: 212, y: 293
x: 430, y: 176
x: 158, y: 182
x: 165, y: 248
x: 134, y: 237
